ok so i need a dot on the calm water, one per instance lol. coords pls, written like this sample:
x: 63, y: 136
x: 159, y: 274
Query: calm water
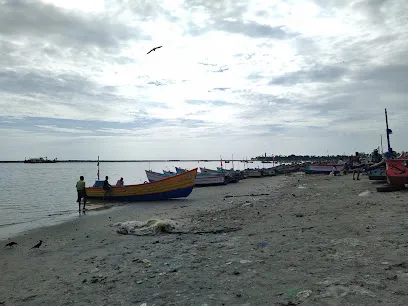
x: 35, y: 195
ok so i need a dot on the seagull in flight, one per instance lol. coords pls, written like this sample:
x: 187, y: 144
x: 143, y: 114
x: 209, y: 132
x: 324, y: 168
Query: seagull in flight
x: 154, y: 49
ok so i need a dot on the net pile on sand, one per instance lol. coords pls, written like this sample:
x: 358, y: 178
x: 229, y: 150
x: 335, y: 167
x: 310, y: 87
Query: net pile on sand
x: 144, y: 228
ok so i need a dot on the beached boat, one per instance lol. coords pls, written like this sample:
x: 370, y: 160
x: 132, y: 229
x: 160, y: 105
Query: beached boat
x: 200, y: 180
x: 397, y: 171
x: 283, y: 169
x: 177, y: 186
x: 378, y: 174
x: 233, y: 176
x: 253, y: 172
x: 323, y: 168
x: 40, y: 160
x: 268, y: 172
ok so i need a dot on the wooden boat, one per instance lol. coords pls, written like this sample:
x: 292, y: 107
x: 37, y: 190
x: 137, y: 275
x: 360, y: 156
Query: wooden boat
x: 268, y: 172
x: 178, y: 186
x: 283, y: 169
x: 233, y: 176
x: 200, y: 180
x: 168, y: 172
x: 397, y: 171
x: 378, y: 174
x: 253, y: 172
x: 323, y: 168
x: 377, y: 171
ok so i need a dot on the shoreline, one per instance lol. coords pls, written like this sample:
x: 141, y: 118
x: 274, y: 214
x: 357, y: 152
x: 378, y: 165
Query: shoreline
x: 284, y: 240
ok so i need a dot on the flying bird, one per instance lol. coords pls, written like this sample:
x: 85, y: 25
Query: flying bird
x: 10, y: 244
x: 154, y: 49
x: 37, y: 246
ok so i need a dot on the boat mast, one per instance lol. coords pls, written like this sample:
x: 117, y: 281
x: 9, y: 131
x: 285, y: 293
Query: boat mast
x: 388, y: 132
x: 98, y: 167
x: 382, y: 149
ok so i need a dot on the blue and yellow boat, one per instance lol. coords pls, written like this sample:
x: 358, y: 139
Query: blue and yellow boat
x: 178, y: 186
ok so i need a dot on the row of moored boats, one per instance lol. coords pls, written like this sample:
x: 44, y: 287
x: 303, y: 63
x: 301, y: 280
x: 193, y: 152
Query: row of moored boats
x: 221, y: 176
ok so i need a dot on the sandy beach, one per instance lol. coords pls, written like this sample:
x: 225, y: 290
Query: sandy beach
x: 285, y: 240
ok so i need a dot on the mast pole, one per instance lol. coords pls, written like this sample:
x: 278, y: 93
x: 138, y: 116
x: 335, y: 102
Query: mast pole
x: 98, y: 167
x: 388, y: 132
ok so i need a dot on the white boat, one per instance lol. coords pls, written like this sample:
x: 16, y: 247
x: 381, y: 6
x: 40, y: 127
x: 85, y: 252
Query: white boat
x: 324, y: 168
x: 200, y: 180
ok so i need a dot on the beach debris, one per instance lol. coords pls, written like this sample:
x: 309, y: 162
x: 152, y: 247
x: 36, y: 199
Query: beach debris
x: 294, y: 291
x: 247, y: 205
x: 155, y: 226
x: 143, y: 228
x: 364, y: 193
x: 37, y: 246
x: 246, y: 195
x: 11, y: 244
x: 304, y: 294
x: 299, y: 215
x: 302, y: 187
x: 263, y: 244
x: 244, y: 261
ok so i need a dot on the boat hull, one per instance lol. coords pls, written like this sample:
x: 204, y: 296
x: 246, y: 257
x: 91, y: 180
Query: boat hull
x: 315, y: 169
x: 377, y: 175
x: 178, y: 186
x: 201, y: 180
x: 397, y: 171
x: 253, y: 173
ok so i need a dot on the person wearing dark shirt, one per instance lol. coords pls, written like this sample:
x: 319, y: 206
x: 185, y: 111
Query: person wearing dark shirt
x: 106, y: 187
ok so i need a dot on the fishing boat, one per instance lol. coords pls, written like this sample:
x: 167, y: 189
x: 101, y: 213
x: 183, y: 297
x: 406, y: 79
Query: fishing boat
x: 283, y: 169
x: 323, y: 168
x: 268, y: 172
x: 253, y: 172
x: 40, y: 160
x: 233, y: 176
x: 397, y: 171
x: 177, y: 186
x: 378, y: 174
x: 209, y: 178
x: 200, y: 180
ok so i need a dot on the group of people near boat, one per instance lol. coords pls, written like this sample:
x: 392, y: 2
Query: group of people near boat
x: 80, y: 186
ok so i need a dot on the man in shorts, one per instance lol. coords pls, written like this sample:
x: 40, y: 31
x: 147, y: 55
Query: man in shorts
x: 80, y: 186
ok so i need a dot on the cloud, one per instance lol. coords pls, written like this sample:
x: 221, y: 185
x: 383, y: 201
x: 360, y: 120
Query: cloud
x: 21, y: 19
x: 239, y: 77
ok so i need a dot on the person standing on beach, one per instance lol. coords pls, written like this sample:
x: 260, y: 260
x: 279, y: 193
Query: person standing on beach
x: 80, y: 186
x: 106, y: 187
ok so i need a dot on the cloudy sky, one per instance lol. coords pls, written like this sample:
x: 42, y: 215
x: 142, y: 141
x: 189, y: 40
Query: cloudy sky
x: 233, y: 77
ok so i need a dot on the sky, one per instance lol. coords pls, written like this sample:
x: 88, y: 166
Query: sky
x: 238, y: 78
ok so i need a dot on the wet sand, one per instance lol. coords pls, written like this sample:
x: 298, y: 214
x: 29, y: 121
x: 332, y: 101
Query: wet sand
x: 286, y: 240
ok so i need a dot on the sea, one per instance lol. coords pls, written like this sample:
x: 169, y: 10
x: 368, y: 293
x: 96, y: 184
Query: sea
x: 37, y: 195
